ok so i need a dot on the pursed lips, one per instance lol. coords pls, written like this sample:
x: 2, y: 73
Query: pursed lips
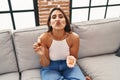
x: 58, y: 23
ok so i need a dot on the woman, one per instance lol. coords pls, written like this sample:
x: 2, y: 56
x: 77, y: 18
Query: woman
x: 58, y: 49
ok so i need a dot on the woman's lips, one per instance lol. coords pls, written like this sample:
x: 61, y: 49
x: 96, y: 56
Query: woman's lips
x: 58, y: 22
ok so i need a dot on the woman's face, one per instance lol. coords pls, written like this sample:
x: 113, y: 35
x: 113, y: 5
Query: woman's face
x: 57, y: 21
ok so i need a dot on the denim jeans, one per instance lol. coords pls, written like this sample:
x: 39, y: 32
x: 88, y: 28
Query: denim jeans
x: 58, y: 70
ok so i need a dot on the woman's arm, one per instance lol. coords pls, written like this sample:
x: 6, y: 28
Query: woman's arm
x: 40, y: 48
x: 75, y: 41
x: 44, y: 58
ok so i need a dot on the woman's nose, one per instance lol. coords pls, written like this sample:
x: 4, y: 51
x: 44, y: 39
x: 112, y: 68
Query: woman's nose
x: 57, y: 19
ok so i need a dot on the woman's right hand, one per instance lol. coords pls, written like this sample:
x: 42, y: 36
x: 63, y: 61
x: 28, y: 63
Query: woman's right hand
x: 38, y: 48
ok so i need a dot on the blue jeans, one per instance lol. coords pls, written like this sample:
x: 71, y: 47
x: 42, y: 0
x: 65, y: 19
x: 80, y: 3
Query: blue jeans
x: 58, y: 70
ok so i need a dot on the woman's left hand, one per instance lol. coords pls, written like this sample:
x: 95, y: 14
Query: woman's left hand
x: 88, y: 78
x: 71, y: 61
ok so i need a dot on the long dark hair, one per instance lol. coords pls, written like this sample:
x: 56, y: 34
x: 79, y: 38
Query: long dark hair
x: 67, y: 27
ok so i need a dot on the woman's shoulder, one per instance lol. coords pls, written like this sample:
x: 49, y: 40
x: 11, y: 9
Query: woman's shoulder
x: 72, y: 38
x: 44, y: 36
x: 74, y: 35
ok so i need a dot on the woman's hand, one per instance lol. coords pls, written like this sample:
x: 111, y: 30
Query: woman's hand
x: 88, y: 78
x: 71, y: 61
x: 38, y: 48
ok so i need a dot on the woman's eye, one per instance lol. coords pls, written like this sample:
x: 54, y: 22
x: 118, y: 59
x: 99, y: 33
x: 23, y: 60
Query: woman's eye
x: 60, y: 16
x: 54, y: 16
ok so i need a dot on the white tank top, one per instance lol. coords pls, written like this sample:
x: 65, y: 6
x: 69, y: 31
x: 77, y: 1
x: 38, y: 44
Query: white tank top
x: 59, y: 50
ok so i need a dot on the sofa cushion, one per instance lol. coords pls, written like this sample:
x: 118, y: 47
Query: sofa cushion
x: 10, y: 76
x: 104, y: 67
x: 24, y: 40
x: 98, y: 36
x: 33, y: 74
x: 7, y: 54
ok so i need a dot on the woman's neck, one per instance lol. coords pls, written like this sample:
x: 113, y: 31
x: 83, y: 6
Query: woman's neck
x: 58, y: 35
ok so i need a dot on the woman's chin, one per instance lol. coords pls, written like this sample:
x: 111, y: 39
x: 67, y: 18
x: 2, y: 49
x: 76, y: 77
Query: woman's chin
x: 59, y: 28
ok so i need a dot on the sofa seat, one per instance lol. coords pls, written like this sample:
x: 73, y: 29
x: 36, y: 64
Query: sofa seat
x: 10, y: 76
x: 102, y: 67
x: 33, y: 74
